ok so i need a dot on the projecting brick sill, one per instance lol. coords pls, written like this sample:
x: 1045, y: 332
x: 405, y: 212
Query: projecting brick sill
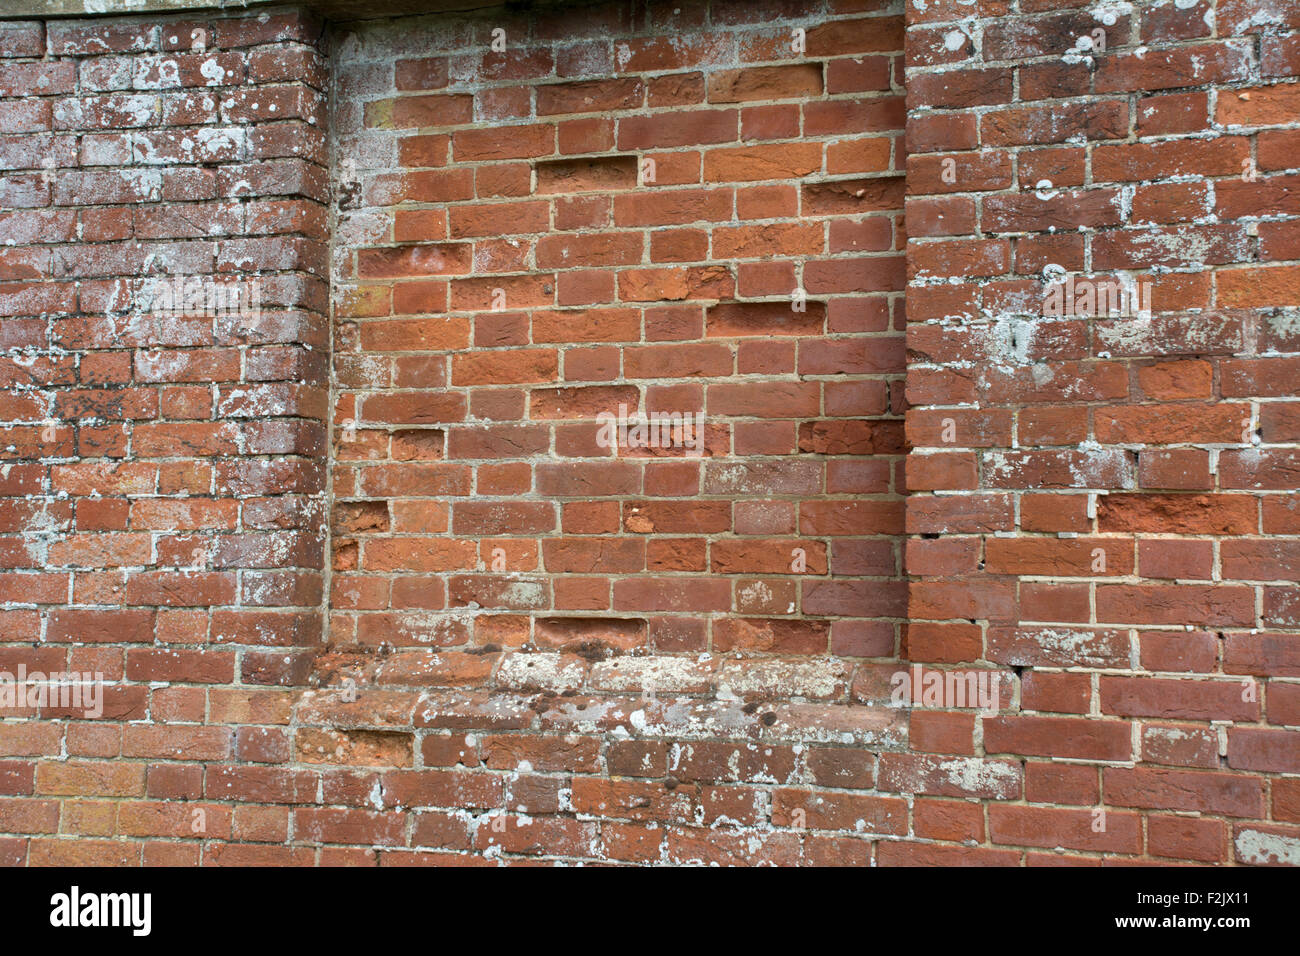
x: 332, y: 9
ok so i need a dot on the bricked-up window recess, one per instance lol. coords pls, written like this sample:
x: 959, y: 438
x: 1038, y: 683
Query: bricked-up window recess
x: 652, y: 434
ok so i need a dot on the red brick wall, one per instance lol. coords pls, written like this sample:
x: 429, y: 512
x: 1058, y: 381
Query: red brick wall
x: 1111, y: 512
x: 161, y: 490
x: 522, y: 645
x: 611, y: 648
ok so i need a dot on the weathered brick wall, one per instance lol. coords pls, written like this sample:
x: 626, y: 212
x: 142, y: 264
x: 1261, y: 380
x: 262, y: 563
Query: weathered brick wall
x: 459, y: 628
x: 1106, y: 504
x: 162, y: 479
x: 570, y: 650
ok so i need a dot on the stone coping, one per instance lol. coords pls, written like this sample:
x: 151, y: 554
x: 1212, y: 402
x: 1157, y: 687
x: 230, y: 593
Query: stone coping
x: 332, y: 9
